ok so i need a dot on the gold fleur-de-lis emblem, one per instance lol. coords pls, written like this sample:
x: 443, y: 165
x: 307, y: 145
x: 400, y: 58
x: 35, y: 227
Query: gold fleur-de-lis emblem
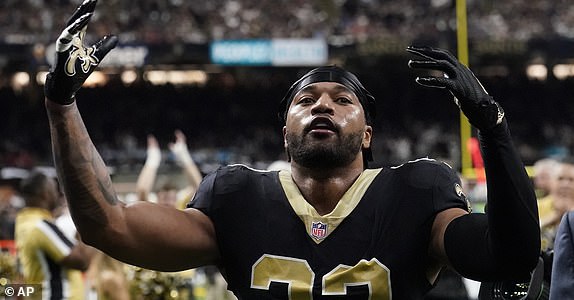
x: 85, y: 55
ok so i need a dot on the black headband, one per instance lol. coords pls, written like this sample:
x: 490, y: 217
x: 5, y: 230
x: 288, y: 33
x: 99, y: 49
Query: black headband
x: 338, y: 75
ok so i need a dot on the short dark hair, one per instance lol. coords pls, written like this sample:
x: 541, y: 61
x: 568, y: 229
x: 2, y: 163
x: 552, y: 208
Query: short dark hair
x: 33, y: 185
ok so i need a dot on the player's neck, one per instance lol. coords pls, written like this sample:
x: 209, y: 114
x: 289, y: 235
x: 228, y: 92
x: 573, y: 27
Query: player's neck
x: 324, y: 188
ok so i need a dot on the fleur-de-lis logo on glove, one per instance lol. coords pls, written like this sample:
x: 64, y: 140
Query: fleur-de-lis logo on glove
x: 85, y: 55
x: 75, y: 62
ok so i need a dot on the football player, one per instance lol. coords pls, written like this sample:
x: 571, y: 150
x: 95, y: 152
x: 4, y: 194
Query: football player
x: 328, y: 228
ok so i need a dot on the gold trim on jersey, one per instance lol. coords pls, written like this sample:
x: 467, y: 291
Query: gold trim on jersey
x: 320, y: 227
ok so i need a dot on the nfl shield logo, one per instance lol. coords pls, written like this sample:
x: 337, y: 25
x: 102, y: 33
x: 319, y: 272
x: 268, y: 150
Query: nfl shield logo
x: 319, y: 230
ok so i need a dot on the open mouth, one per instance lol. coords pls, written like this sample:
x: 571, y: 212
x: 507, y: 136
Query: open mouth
x: 322, y: 125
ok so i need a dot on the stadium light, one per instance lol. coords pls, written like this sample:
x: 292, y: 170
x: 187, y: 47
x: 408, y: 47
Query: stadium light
x: 537, y: 71
x: 176, y: 77
x: 97, y: 78
x: 41, y: 77
x: 563, y: 71
x: 20, y: 80
x: 129, y: 76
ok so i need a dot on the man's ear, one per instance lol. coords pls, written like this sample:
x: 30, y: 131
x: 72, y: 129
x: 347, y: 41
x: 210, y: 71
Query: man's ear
x: 286, y: 144
x: 285, y: 137
x: 367, y: 136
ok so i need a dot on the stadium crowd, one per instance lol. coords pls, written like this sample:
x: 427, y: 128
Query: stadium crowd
x: 152, y: 21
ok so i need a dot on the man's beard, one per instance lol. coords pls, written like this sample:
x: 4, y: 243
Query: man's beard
x: 318, y: 154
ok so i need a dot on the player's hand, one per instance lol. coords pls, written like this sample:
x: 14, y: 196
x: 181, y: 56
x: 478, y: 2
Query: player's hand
x: 479, y: 107
x: 179, y: 149
x: 75, y: 61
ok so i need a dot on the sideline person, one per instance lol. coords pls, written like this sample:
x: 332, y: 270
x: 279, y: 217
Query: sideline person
x: 46, y: 255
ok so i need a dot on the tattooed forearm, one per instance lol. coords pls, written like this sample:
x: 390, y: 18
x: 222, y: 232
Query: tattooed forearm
x: 105, y: 184
x: 86, y: 182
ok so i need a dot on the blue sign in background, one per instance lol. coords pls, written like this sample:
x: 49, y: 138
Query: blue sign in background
x: 241, y: 52
x: 275, y: 52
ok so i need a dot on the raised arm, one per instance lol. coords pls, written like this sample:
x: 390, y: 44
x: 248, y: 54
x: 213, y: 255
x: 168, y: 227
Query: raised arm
x: 148, y: 173
x: 184, y: 160
x: 142, y: 234
x: 504, y: 244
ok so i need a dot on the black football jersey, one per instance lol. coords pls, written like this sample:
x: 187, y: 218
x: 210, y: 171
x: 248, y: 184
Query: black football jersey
x: 373, y: 245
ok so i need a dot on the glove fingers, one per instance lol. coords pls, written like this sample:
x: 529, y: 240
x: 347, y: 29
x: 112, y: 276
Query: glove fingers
x: 430, y: 53
x: 81, y: 24
x: 63, y: 42
x: 445, y: 61
x: 420, y: 51
x: 88, y: 6
x: 426, y: 52
x: 105, y: 45
x: 429, y: 65
x: 435, y: 82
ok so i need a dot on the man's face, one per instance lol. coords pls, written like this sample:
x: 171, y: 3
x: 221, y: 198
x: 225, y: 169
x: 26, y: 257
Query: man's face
x: 565, y: 181
x: 543, y: 179
x: 325, y: 126
x: 167, y: 197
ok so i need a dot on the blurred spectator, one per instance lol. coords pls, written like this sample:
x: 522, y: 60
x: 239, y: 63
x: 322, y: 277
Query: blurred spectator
x: 562, y: 200
x: 544, y: 170
x: 544, y: 178
x: 41, y: 243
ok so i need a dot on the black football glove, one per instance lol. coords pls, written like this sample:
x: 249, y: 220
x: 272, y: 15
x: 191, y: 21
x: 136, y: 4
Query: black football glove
x: 481, y: 110
x: 74, y: 61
